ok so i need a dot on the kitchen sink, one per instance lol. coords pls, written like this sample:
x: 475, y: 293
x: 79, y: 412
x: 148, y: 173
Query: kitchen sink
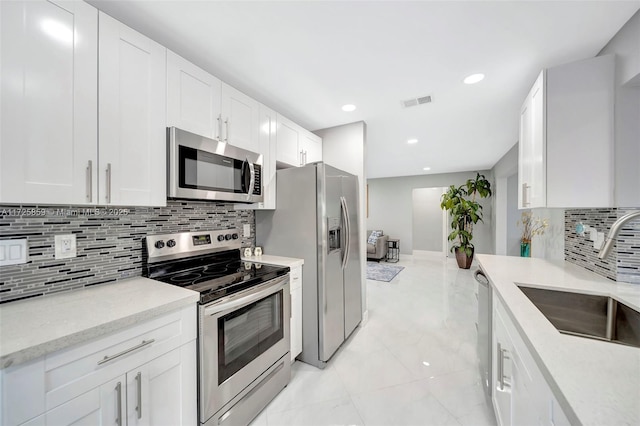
x: 587, y: 315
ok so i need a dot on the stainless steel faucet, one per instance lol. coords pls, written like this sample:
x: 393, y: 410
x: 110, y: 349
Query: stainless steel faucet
x: 615, y: 228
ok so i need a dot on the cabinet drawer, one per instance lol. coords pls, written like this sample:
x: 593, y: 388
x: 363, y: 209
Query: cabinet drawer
x: 76, y: 370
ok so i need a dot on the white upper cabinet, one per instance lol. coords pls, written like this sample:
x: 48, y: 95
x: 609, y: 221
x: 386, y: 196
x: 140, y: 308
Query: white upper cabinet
x: 240, y: 119
x: 48, y: 144
x: 580, y: 133
x: 288, y: 136
x: 132, y: 110
x: 268, y: 150
x: 296, y: 146
x: 532, y: 162
x: 193, y: 98
x: 567, y: 137
x: 310, y: 147
x: 200, y: 103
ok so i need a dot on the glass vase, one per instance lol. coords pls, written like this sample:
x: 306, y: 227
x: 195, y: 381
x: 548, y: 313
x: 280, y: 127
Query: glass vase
x: 525, y: 248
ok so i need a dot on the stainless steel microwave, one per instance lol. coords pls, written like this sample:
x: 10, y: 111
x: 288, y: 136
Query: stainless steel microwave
x: 205, y: 169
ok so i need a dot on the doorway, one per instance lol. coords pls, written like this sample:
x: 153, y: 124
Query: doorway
x: 428, y: 227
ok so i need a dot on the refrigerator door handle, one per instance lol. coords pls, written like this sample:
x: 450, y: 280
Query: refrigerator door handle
x: 347, y: 239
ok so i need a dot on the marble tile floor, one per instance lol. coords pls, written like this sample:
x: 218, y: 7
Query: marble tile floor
x: 412, y: 363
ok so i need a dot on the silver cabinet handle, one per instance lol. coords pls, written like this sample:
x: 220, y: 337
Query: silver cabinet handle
x: 108, y: 184
x: 90, y: 181
x: 119, y: 404
x: 502, y: 355
x: 301, y: 158
x: 305, y: 157
x: 219, y: 135
x: 139, y: 384
x: 525, y: 193
x: 226, y: 127
x: 126, y: 351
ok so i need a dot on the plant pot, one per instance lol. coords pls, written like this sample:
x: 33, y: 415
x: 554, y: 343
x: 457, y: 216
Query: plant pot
x: 525, y: 248
x: 464, y: 261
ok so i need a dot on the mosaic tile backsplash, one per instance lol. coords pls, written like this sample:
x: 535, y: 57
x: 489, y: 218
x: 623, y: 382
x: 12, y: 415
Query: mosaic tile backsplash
x: 109, y: 244
x: 624, y: 262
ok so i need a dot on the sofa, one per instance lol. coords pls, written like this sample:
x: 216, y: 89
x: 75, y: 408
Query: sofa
x: 377, y: 251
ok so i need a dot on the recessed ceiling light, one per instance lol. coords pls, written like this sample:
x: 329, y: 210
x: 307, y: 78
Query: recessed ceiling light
x: 426, y: 168
x: 412, y: 141
x: 474, y: 78
x: 348, y: 107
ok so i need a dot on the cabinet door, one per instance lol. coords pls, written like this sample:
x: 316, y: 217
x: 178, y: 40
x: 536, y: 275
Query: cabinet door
x: 268, y: 150
x: 164, y: 391
x: 532, y: 148
x: 104, y: 405
x: 311, y: 147
x: 132, y: 109
x: 48, y: 144
x: 296, y: 322
x: 193, y: 98
x: 287, y: 138
x: 580, y: 133
x: 241, y: 119
x: 502, y: 368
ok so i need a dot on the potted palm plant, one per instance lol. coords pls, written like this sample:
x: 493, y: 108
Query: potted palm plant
x: 460, y: 202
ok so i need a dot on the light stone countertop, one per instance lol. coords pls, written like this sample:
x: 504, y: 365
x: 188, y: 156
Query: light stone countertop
x: 595, y: 382
x: 268, y: 259
x: 34, y: 327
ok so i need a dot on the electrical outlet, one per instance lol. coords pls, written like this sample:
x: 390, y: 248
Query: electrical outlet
x: 65, y: 246
x: 246, y: 231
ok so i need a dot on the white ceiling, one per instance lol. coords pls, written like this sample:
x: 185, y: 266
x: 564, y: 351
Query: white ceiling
x: 305, y: 59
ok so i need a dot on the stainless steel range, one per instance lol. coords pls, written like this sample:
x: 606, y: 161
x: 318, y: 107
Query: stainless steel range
x: 243, y: 324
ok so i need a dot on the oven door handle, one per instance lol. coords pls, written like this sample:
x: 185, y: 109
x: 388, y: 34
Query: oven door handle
x: 254, y: 295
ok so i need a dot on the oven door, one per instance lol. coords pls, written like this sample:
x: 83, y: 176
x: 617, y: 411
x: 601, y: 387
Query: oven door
x: 202, y: 168
x: 240, y: 338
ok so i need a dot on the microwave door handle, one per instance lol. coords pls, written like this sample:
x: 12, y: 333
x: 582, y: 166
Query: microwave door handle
x: 252, y: 179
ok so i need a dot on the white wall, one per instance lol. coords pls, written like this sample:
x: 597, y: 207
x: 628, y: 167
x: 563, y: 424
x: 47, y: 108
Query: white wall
x: 551, y: 244
x: 514, y: 233
x: 344, y: 147
x: 626, y: 46
x: 391, y: 207
x: 427, y: 219
x: 505, y: 167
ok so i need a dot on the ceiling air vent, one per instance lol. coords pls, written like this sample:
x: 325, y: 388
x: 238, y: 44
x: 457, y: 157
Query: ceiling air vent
x: 416, y: 101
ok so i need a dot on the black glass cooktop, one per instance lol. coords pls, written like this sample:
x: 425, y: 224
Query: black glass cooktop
x: 214, y: 276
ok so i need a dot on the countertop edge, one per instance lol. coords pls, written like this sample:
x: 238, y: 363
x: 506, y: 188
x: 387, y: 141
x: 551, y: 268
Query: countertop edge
x: 268, y: 259
x: 63, y: 342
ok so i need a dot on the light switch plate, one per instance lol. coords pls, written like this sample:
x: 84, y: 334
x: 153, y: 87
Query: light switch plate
x: 65, y: 246
x: 13, y: 252
x: 246, y: 230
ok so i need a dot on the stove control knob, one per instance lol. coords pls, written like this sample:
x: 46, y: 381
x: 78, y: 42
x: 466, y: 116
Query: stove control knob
x: 234, y: 236
x: 171, y: 243
x: 159, y: 244
x: 227, y: 237
x: 220, y: 237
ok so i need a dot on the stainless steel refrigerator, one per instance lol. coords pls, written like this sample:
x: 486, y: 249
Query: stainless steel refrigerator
x: 316, y: 218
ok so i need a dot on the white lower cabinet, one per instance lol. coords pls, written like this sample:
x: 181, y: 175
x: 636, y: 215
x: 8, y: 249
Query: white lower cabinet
x: 296, y: 312
x: 521, y: 395
x: 141, y: 375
